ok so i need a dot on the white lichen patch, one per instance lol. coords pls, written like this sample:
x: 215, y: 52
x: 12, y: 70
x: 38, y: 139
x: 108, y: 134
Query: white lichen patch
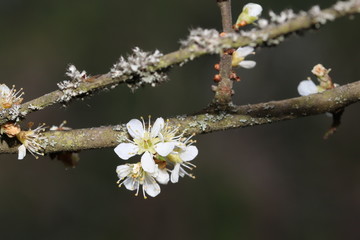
x: 208, y: 40
x: 284, y: 16
x: 344, y: 6
x: 34, y: 108
x: 75, y: 74
x: 70, y: 88
x: 136, y: 66
x: 14, y: 113
x: 120, y: 127
x: 321, y: 16
x: 121, y: 138
x: 203, y: 125
x: 181, y: 117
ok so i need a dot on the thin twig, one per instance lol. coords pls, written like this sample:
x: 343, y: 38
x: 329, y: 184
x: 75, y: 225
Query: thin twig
x: 224, y: 90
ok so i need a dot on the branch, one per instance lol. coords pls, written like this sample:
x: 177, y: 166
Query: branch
x: 243, y: 116
x: 193, y: 49
x: 224, y: 89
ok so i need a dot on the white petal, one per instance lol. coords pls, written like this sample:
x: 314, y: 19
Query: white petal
x: 135, y: 128
x: 175, y: 173
x: 158, y: 125
x: 165, y: 148
x: 131, y: 184
x: 151, y: 187
x: 244, y: 51
x: 123, y: 171
x: 126, y: 150
x: 247, y: 64
x: 21, y: 152
x: 189, y: 154
x: 254, y: 9
x: 307, y: 87
x: 148, y: 163
x: 162, y: 176
x: 4, y: 90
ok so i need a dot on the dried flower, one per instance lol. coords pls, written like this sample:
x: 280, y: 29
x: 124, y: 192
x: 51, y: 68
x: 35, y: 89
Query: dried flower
x: 10, y: 129
x: 33, y: 141
x: 9, y: 97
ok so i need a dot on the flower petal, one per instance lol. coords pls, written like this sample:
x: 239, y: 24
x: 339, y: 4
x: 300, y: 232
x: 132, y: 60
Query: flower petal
x: 135, y: 128
x: 4, y: 90
x: 244, y: 51
x: 162, y: 176
x: 158, y: 125
x: 164, y: 148
x: 307, y: 87
x: 253, y: 9
x: 151, y: 187
x: 247, y: 64
x: 21, y: 152
x: 189, y: 154
x: 123, y: 171
x: 148, y: 163
x: 126, y: 150
x: 131, y: 184
x: 175, y: 173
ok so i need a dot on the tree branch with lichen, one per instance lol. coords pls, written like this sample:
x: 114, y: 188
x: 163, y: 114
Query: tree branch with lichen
x: 200, y: 42
x: 201, y: 123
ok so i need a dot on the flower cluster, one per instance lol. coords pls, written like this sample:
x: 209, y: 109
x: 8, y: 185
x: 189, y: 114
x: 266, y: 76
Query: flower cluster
x: 159, y: 147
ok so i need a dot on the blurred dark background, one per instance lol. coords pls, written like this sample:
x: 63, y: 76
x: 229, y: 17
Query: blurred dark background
x: 279, y: 181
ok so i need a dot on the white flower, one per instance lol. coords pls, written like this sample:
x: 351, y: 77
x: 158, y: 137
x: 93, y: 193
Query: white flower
x: 33, y: 141
x: 9, y: 97
x: 249, y: 14
x: 146, y: 142
x: 239, y: 55
x: 135, y: 176
x: 180, y: 157
x: 307, y: 87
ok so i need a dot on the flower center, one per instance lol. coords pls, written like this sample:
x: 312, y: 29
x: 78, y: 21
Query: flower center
x: 147, y: 143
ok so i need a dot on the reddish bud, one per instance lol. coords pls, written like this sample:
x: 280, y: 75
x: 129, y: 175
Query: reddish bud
x: 232, y: 76
x: 217, y: 78
x: 229, y: 51
x: 217, y: 67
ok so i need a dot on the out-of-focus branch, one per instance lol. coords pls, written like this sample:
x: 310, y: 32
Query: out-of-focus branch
x: 242, y: 116
x: 302, y: 21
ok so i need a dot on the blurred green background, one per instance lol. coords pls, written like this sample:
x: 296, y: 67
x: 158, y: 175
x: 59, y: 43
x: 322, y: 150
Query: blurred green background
x: 279, y: 181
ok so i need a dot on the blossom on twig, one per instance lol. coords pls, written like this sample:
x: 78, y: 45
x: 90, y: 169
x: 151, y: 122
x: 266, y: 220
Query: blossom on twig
x: 238, y: 57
